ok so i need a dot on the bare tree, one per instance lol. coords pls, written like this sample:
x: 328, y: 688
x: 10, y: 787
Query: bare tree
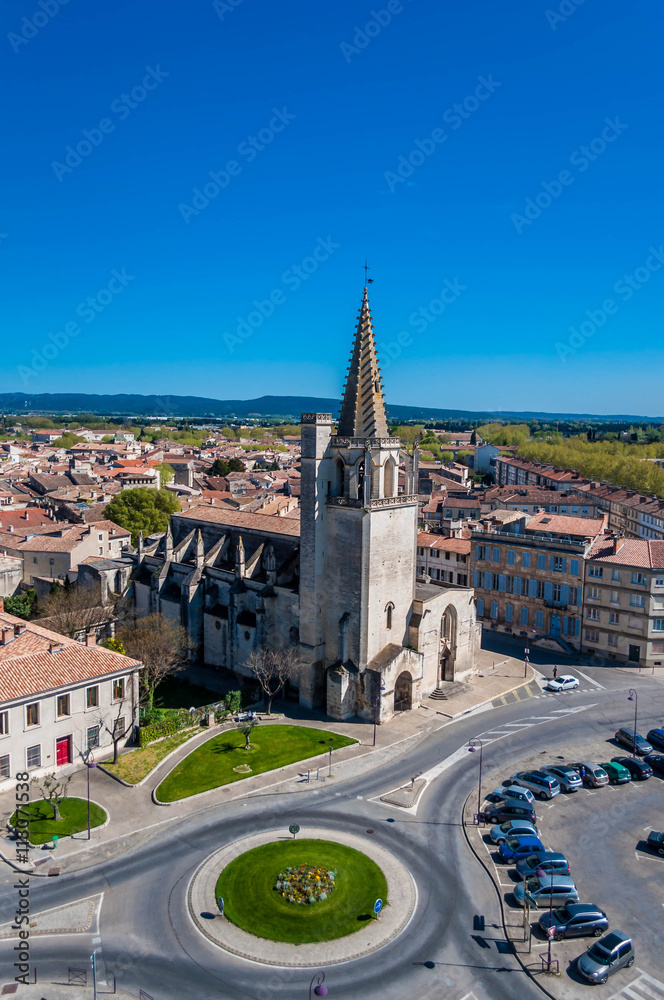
x: 53, y: 789
x: 246, y: 727
x: 272, y: 668
x: 160, y: 644
x: 73, y: 609
x: 116, y: 726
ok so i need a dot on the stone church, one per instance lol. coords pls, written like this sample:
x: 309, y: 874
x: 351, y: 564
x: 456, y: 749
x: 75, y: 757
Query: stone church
x: 340, y: 585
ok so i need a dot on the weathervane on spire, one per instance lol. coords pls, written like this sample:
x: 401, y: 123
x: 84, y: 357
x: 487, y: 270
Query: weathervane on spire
x: 367, y: 280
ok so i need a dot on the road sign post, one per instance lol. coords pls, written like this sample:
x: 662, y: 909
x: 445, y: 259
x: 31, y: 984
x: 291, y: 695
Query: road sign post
x: 378, y: 906
x: 220, y: 904
x: 293, y: 828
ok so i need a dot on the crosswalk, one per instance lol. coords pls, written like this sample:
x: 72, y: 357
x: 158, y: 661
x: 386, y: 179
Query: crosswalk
x: 644, y: 987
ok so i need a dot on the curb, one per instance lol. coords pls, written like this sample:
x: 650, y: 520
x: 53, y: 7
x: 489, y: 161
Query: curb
x: 483, y: 863
x: 488, y: 701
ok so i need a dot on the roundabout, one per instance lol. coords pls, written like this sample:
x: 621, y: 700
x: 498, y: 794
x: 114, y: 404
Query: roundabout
x: 301, y: 902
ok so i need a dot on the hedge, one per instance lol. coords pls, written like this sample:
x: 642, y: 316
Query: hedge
x: 181, y: 720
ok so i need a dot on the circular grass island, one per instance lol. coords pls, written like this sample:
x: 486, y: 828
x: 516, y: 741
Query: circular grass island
x: 37, y: 818
x: 301, y: 891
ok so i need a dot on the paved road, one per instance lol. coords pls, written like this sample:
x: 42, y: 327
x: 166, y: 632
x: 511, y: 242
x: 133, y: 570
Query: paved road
x: 148, y: 940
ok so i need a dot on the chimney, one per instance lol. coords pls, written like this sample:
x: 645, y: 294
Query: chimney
x: 91, y: 639
x: 7, y: 634
x: 10, y: 527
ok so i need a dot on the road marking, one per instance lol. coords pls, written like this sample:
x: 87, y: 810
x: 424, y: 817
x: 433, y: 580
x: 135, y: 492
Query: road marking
x: 591, y: 681
x: 646, y: 985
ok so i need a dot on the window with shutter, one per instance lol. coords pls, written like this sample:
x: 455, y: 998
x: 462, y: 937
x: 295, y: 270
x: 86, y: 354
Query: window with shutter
x: 509, y: 612
x: 539, y: 619
x: 525, y: 559
x: 548, y: 591
x: 510, y: 557
x: 574, y: 567
x: 523, y: 617
x: 496, y: 555
x: 541, y: 561
x: 502, y: 582
x: 480, y: 607
x: 494, y: 609
x: 532, y: 588
x: 476, y: 578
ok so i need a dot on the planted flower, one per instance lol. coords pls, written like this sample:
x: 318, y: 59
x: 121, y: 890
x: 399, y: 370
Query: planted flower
x: 305, y: 884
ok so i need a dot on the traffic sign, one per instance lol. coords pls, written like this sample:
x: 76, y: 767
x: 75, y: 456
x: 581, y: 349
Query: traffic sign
x: 293, y: 828
x: 220, y: 904
x: 551, y: 932
x: 378, y: 906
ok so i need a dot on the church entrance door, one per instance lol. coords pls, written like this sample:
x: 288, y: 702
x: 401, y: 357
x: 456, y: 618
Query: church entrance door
x: 403, y: 692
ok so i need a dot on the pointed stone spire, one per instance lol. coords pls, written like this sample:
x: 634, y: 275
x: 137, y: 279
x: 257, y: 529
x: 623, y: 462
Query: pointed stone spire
x: 363, y: 406
x: 200, y: 549
x: 168, y: 543
x: 239, y: 559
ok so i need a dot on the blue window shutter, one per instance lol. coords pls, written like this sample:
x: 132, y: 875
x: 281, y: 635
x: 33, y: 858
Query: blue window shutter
x: 539, y: 619
x: 508, y: 613
x: 564, y: 564
x: 488, y: 578
x: 476, y: 578
x: 510, y: 557
x: 494, y: 609
x: 565, y: 625
x: 480, y: 606
x: 548, y: 591
x: 525, y: 559
x: 564, y: 594
x: 574, y: 567
x: 532, y: 588
x: 478, y: 551
x: 524, y: 616
x: 541, y: 561
x: 517, y: 585
x: 496, y: 555
x: 552, y: 563
x: 577, y: 626
x: 578, y: 597
x: 502, y: 582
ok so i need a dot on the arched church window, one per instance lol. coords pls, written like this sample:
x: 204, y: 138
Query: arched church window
x: 338, y: 484
x: 389, y: 479
x: 388, y: 614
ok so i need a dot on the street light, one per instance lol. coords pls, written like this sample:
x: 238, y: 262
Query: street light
x: 319, y: 989
x: 472, y: 748
x: 376, y: 703
x: 329, y: 770
x: 89, y: 764
x: 633, y: 696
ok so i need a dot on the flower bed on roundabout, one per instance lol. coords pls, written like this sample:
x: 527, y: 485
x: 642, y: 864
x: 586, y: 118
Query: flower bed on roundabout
x: 301, y: 891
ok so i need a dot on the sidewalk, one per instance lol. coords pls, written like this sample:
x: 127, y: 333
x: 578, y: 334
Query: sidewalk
x: 135, y: 818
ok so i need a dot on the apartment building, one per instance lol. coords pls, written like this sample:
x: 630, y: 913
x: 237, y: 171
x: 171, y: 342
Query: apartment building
x: 624, y: 601
x: 531, y: 500
x: 442, y: 560
x: 528, y: 574
x: 59, y: 699
x: 52, y: 551
x: 517, y: 472
x: 442, y: 508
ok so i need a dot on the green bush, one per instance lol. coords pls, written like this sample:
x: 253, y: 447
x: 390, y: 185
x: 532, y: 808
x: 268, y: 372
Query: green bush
x: 166, y: 727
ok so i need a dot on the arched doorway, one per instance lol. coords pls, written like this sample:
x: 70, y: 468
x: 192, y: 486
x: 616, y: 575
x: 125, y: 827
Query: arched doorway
x: 448, y: 641
x: 403, y: 692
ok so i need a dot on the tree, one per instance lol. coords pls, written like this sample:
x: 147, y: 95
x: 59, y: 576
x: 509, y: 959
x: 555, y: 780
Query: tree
x: 22, y: 605
x: 53, y: 789
x: 235, y: 465
x: 233, y: 701
x: 273, y: 466
x: 115, y: 644
x: 74, y: 608
x: 246, y: 727
x: 116, y: 727
x: 67, y: 440
x: 272, y: 668
x: 143, y: 510
x: 167, y: 473
x: 219, y: 468
x: 160, y: 644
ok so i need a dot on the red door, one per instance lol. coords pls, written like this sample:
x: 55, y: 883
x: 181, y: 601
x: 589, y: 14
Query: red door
x: 63, y: 750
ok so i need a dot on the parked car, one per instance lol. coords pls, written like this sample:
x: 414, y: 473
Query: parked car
x: 575, y: 920
x: 633, y: 741
x: 637, y: 768
x: 603, y: 958
x: 592, y: 774
x: 655, y: 761
x: 656, y: 842
x: 516, y: 848
x: 540, y: 890
x: 568, y: 779
x: 656, y: 737
x: 513, y: 828
x: 509, y: 809
x: 543, y: 861
x: 512, y: 791
x: 544, y: 786
x: 618, y: 774
x: 564, y: 683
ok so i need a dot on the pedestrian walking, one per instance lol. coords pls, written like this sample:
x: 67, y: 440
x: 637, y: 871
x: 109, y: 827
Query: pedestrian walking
x: 555, y: 672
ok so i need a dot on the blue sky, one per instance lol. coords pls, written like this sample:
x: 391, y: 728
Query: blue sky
x: 482, y: 299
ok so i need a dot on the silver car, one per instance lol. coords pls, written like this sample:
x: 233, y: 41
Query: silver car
x: 512, y: 828
x: 613, y: 952
x: 510, y: 791
x: 541, y: 889
x: 568, y: 779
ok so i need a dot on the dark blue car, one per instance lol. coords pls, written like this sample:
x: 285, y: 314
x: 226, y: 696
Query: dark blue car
x: 656, y: 737
x: 516, y: 848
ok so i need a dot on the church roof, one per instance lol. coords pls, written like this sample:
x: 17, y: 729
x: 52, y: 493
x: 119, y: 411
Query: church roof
x: 363, y: 406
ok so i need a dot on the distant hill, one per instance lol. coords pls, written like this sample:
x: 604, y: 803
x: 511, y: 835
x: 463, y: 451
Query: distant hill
x: 286, y: 407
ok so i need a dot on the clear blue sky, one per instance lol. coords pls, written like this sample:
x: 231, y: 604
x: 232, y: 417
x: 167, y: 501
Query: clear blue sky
x: 350, y: 106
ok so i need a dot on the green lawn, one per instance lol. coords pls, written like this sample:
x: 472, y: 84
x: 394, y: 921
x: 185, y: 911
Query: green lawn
x: 136, y: 764
x: 252, y: 902
x: 74, y: 818
x: 211, y: 764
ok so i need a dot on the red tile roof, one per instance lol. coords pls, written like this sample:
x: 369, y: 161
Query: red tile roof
x: 268, y: 523
x: 642, y: 552
x: 427, y: 540
x: 563, y: 524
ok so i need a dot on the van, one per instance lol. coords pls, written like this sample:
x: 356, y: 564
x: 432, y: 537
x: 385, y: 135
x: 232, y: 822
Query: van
x: 545, y: 786
x: 633, y: 741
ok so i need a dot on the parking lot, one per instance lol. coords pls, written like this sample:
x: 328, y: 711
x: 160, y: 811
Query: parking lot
x: 602, y: 834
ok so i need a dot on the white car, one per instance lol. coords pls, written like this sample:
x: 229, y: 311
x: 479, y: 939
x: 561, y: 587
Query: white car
x: 564, y: 683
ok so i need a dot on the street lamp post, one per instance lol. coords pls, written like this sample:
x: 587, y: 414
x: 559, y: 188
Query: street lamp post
x: 633, y: 696
x: 89, y: 764
x: 329, y: 770
x: 376, y: 704
x: 319, y: 989
x: 472, y: 748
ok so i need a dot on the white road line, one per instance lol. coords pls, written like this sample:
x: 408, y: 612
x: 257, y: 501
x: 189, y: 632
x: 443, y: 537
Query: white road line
x: 591, y: 681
